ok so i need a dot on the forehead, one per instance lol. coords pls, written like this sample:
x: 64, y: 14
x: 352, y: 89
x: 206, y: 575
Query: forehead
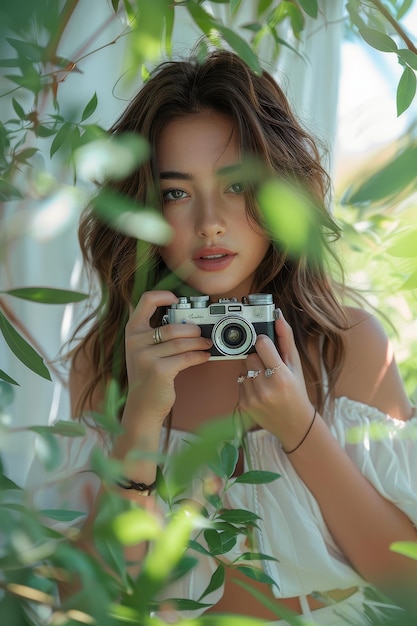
x: 207, y: 138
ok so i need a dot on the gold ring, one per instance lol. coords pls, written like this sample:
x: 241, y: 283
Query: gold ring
x: 157, y: 337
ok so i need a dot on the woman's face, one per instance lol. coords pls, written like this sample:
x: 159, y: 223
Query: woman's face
x: 216, y: 247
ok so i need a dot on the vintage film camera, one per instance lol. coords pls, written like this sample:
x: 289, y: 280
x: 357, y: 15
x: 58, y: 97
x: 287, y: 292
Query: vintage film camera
x: 232, y: 325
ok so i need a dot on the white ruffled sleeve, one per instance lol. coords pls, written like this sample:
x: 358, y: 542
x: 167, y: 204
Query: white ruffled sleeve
x: 73, y: 486
x: 384, y: 449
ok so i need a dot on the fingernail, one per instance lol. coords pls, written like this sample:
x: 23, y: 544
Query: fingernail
x: 277, y: 314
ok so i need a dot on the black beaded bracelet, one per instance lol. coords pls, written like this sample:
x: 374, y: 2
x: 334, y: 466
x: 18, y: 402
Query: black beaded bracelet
x: 141, y: 488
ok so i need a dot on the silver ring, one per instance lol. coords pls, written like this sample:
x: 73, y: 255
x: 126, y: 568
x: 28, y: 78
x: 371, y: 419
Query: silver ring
x: 269, y: 372
x: 250, y: 374
x: 157, y: 337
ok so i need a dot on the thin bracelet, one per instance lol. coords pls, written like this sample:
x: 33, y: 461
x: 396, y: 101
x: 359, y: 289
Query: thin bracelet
x: 141, y: 488
x: 305, y: 436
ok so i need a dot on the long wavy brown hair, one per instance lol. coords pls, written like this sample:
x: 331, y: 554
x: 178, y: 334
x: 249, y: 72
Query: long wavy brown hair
x: 303, y: 285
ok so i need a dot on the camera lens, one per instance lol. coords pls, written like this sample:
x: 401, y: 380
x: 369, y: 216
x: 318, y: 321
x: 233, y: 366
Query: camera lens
x: 233, y: 336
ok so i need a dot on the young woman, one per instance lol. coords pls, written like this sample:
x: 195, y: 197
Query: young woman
x: 330, y: 519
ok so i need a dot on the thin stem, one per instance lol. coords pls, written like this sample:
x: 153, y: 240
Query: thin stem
x: 396, y: 26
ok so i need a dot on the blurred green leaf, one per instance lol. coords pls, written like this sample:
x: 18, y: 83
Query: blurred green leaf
x: 241, y: 47
x: 47, y: 448
x: 61, y: 515
x: 405, y: 245
x: 411, y: 282
x: 390, y: 179
x: 137, y: 525
x: 46, y: 295
x: 407, y: 548
x: 132, y: 219
x: 288, y: 216
x: 310, y: 7
x: 406, y: 90
x: 6, y: 392
x: 378, y: 40
x: 20, y: 348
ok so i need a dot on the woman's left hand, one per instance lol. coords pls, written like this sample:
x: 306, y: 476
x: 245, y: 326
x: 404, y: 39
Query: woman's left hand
x: 274, y: 394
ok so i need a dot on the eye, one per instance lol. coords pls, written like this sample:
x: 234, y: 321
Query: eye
x: 236, y: 187
x: 173, y: 195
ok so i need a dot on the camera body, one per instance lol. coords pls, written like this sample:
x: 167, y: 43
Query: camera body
x: 232, y: 325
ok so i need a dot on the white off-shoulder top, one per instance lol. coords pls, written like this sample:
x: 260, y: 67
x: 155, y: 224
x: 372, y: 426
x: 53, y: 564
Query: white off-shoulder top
x: 291, y: 526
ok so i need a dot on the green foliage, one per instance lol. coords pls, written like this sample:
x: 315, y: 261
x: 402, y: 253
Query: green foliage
x: 377, y: 213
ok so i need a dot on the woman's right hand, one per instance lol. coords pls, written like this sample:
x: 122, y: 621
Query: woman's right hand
x: 151, y: 367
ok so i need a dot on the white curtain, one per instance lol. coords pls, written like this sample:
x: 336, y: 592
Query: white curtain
x: 311, y: 82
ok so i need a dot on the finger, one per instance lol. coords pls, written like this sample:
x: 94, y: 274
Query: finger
x: 146, y: 307
x: 168, y: 332
x: 180, y: 345
x: 285, y: 340
x: 267, y: 352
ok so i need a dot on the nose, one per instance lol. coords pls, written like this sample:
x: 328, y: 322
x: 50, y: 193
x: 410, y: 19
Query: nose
x: 210, y: 217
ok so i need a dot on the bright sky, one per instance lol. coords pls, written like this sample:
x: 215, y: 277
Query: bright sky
x: 367, y: 101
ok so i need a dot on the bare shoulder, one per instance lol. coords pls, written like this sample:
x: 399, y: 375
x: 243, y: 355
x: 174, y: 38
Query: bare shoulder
x: 82, y: 373
x: 370, y: 373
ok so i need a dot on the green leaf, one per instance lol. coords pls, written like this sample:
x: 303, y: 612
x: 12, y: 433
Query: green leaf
x: 411, y: 282
x: 8, y: 191
x: 387, y: 181
x: 256, y: 574
x: 255, y: 556
x: 63, y: 428
x: 408, y: 56
x: 405, y: 246
x: 289, y: 217
x: 238, y: 516
x: 25, y: 154
x: 408, y: 548
x: 243, y: 49
x: 7, y: 378
x: 229, y: 457
x: 184, y: 604
x: 6, y: 394
x: 18, y: 109
x: 406, y: 90
x: 46, y: 295
x: 60, y: 138
x: 257, y: 477
x: 26, y: 49
x: 90, y: 108
x: 216, y: 581
x: 379, y: 41
x: 22, y: 349
x: 310, y: 7
x: 194, y: 545
x: 61, y: 515
x: 48, y: 449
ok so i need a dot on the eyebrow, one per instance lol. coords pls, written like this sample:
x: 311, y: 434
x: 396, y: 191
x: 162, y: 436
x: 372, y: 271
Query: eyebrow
x: 223, y: 171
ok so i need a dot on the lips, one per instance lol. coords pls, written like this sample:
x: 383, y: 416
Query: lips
x: 213, y: 259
